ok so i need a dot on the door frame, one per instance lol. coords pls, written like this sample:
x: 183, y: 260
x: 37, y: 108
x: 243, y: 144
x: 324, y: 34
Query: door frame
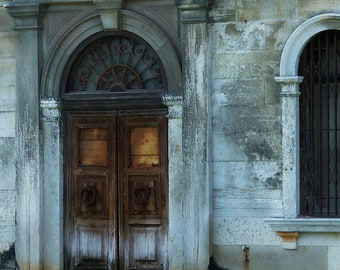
x: 52, y: 144
x: 123, y: 119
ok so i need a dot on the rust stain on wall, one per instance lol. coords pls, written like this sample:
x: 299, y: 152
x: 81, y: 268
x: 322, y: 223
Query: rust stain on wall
x: 245, y: 257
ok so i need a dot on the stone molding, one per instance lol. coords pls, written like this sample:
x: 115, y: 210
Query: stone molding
x: 304, y: 224
x: 289, y: 228
x: 27, y: 15
x: 300, y: 37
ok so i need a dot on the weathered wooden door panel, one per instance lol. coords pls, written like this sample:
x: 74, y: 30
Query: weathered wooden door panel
x: 143, y: 176
x: 90, y: 206
x: 115, y: 186
x: 92, y: 246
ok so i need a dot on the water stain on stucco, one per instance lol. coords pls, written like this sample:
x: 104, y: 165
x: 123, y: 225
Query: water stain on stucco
x: 259, y: 150
x: 274, y: 182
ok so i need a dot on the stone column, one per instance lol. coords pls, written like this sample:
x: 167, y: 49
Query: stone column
x: 29, y: 244
x: 290, y: 144
x: 194, y: 38
x: 53, y: 183
x: 176, y: 224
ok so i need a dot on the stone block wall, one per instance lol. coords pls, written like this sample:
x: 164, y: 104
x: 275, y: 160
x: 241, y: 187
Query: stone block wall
x: 7, y: 140
x: 246, y: 41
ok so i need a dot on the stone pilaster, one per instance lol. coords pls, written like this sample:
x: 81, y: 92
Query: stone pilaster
x: 290, y: 144
x: 175, y: 174
x: 53, y: 183
x: 29, y: 246
x: 194, y: 38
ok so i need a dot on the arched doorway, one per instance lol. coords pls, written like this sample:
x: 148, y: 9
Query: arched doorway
x: 115, y: 155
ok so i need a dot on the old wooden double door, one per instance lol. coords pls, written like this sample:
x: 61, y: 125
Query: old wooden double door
x: 115, y: 190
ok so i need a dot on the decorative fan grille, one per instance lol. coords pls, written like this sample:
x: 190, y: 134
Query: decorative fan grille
x: 116, y: 64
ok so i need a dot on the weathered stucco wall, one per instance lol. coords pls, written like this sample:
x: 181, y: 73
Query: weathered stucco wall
x: 231, y: 131
x: 247, y: 39
x: 7, y: 140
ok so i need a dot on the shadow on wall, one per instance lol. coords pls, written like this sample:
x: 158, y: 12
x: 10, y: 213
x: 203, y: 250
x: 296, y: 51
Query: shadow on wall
x: 214, y: 266
x: 7, y: 258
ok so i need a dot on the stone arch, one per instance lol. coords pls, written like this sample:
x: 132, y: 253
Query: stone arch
x: 91, y: 25
x: 299, y: 38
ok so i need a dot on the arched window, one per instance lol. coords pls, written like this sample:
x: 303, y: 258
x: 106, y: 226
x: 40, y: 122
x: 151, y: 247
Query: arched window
x: 115, y: 62
x: 319, y: 126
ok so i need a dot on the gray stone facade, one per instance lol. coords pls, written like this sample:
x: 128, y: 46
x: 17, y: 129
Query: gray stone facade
x: 232, y: 128
x: 7, y: 140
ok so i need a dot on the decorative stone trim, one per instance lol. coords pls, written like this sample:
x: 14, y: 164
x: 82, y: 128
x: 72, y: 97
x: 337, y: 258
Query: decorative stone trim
x: 193, y: 13
x: 50, y: 109
x: 174, y: 104
x: 26, y: 14
x: 109, y: 11
x: 299, y: 38
x: 289, y: 239
x: 171, y: 100
x: 289, y: 85
x: 288, y: 228
x: 324, y: 225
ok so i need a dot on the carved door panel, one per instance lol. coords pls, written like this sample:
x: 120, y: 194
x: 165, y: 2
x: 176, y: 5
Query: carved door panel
x: 91, y: 188
x: 143, y: 185
x: 115, y: 186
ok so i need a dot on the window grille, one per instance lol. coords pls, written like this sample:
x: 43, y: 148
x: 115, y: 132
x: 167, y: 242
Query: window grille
x: 116, y: 62
x: 319, y: 126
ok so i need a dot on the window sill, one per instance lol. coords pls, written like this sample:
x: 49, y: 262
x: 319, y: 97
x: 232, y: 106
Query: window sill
x: 289, y: 228
x: 304, y: 224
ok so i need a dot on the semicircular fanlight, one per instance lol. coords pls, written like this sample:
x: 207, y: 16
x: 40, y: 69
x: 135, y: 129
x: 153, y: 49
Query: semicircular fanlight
x: 116, y: 63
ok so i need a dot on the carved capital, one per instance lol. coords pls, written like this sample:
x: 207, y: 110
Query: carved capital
x: 50, y: 109
x: 174, y: 104
x: 193, y: 11
x: 289, y: 85
x: 171, y: 100
x: 109, y: 11
x: 27, y: 14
